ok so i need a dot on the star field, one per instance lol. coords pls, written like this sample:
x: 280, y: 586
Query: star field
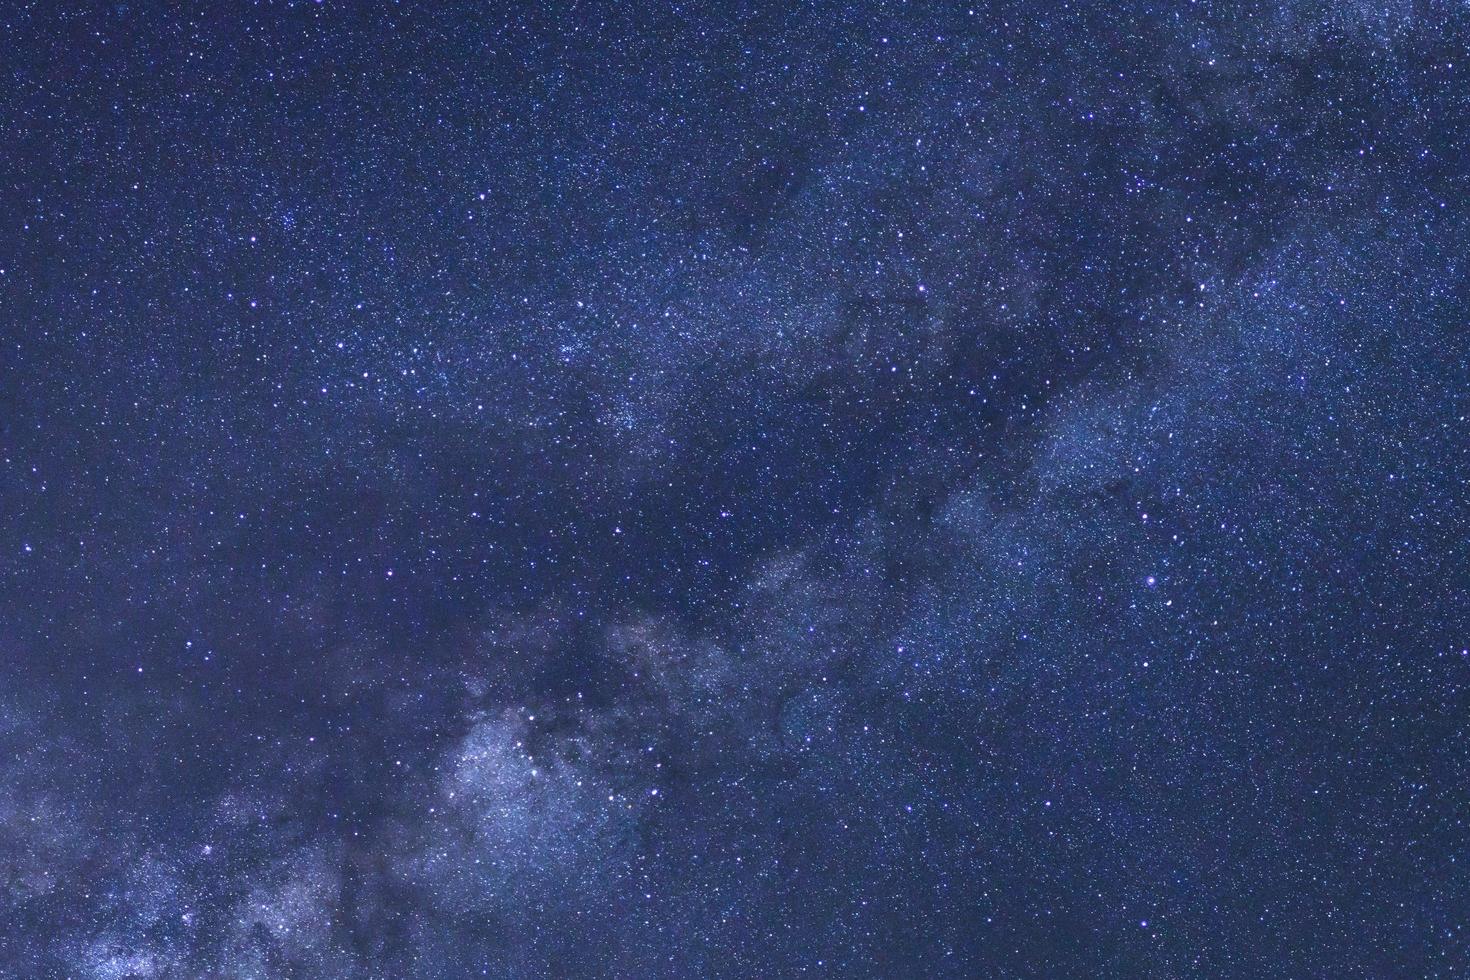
x: 735, y: 490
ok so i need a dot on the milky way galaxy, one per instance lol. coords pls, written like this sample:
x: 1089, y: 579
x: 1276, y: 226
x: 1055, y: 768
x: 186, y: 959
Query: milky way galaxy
x: 855, y: 489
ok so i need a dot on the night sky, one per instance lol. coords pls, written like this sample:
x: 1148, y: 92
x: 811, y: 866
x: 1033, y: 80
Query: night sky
x: 735, y: 490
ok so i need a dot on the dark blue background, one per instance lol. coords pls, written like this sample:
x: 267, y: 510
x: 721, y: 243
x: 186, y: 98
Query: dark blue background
x: 729, y: 490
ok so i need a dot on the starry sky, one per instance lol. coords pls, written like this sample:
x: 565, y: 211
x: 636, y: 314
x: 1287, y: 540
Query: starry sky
x: 729, y: 489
